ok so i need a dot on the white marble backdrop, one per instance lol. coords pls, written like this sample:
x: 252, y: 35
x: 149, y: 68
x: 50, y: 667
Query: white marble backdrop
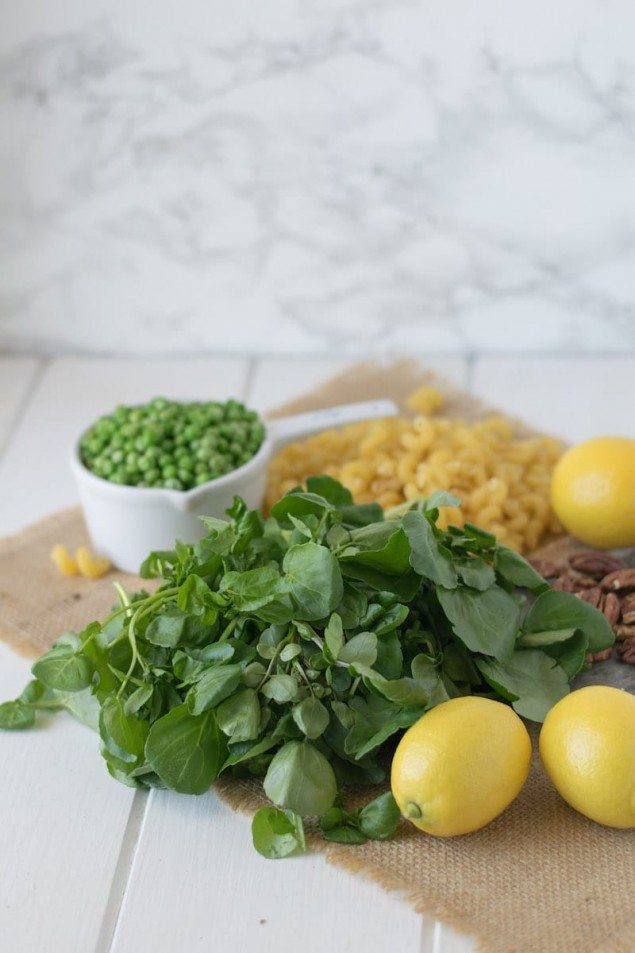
x: 317, y: 175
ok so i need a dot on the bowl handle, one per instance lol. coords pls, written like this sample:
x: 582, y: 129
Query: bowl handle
x: 285, y: 429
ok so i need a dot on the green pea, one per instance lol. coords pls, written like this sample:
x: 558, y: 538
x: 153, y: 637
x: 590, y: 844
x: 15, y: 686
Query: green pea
x: 203, y: 477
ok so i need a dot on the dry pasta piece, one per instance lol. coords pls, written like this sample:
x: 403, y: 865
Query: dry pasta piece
x: 502, y: 479
x: 92, y: 567
x: 64, y: 561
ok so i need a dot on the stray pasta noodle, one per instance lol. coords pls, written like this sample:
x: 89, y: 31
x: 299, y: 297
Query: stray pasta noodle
x: 502, y: 480
x: 83, y: 562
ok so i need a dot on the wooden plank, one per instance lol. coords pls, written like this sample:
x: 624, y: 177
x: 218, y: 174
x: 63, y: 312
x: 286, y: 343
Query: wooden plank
x: 197, y: 883
x: 75, y: 824
x: 575, y: 398
x: 70, y: 395
x: 63, y: 823
x: 16, y: 376
x: 196, y: 879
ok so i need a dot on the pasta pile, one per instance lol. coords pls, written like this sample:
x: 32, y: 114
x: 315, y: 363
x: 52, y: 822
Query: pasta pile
x: 503, y: 481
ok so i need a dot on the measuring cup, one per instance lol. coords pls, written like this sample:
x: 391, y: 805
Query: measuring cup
x: 125, y: 523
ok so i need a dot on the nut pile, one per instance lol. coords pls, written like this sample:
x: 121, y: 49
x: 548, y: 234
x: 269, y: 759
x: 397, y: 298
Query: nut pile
x: 607, y: 583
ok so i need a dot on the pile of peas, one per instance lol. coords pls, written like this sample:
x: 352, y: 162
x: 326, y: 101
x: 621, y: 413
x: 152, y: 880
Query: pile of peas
x: 170, y: 444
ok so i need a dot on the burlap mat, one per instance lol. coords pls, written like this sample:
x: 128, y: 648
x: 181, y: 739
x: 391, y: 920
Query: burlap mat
x: 540, y: 879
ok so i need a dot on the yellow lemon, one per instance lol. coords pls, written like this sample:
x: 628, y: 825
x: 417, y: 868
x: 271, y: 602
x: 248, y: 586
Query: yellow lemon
x: 593, y: 491
x: 587, y: 745
x: 460, y: 765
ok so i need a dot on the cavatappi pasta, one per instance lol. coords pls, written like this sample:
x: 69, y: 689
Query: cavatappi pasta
x: 503, y: 481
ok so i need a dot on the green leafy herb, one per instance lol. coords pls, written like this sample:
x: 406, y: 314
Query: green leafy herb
x: 277, y: 833
x: 293, y: 648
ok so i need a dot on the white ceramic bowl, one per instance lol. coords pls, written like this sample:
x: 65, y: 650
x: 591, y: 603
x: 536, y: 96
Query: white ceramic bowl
x: 126, y: 522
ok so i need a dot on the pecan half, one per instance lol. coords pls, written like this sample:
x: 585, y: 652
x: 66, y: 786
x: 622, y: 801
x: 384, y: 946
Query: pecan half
x: 628, y: 610
x: 611, y: 608
x: 599, y: 656
x: 592, y: 596
x: 618, y: 581
x: 584, y: 582
x: 626, y: 651
x: 623, y: 632
x: 546, y: 568
x: 595, y: 564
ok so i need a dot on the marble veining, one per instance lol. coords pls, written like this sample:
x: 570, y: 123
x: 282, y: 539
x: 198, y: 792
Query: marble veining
x: 317, y: 175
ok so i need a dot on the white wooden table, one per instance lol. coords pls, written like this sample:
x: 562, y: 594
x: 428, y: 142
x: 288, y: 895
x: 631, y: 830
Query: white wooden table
x: 89, y: 865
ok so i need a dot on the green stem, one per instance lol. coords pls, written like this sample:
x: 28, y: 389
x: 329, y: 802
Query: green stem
x: 303, y: 676
x: 229, y: 628
x: 274, y: 659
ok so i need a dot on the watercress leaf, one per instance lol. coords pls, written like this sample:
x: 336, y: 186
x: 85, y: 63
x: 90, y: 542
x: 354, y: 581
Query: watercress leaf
x: 361, y: 648
x: 242, y: 751
x: 533, y: 640
x: 481, y: 537
x: 476, y: 573
x: 253, y: 589
x: 485, y: 622
x: 213, y: 687
x: 301, y: 779
x: 380, y: 818
x: 404, y: 586
x: 195, y: 595
x: 399, y: 720
x: 301, y: 505
x: 428, y: 676
x: 215, y: 652
x: 123, y: 735
x: 382, y: 546
x: 570, y: 654
x: 110, y: 630
x: 16, y: 715
x: 361, y: 514
x: 376, y: 719
x: 391, y: 619
x: 166, y: 629
x: 389, y: 661
x: 253, y: 674
x: 404, y: 692
x: 334, y: 637
x: 516, y: 570
x: 530, y: 679
x: 332, y: 818
x: 563, y: 610
x: 300, y: 526
x: 156, y: 563
x: 280, y: 688
x: 426, y: 557
x: 330, y: 490
x: 269, y: 641
x: 290, y: 652
x: 345, y: 834
x: 64, y: 670
x: 314, y: 579
x: 311, y: 717
x: 84, y: 706
x: 185, y: 750
x: 439, y: 499
x: 138, y: 699
x: 32, y: 692
x: 239, y: 716
x: 352, y: 608
x: 277, y: 834
x: 343, y: 713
